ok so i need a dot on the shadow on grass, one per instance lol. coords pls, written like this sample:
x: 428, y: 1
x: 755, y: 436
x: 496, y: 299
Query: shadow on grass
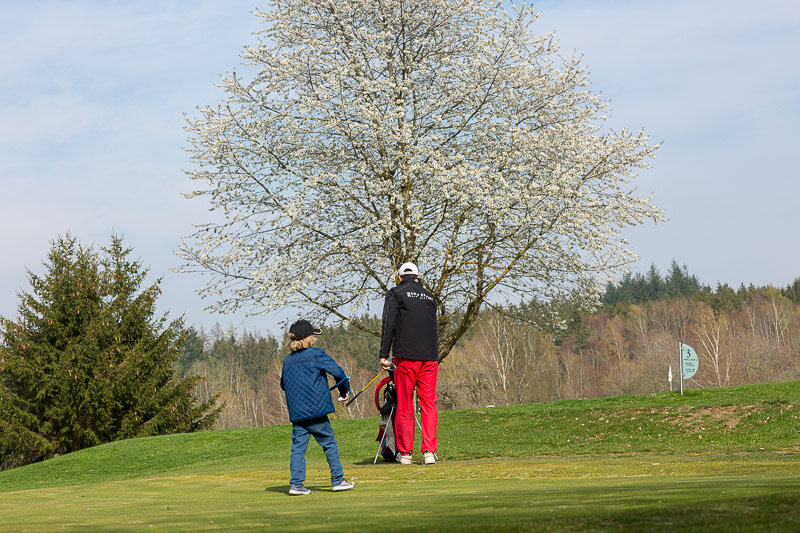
x: 279, y: 489
x: 371, y: 462
x: 284, y: 489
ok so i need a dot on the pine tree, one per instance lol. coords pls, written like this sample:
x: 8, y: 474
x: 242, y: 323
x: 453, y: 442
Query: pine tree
x: 19, y: 442
x: 193, y: 349
x: 792, y: 292
x: 680, y: 283
x: 88, y: 359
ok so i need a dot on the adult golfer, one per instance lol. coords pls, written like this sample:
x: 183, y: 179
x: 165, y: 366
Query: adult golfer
x: 409, y: 332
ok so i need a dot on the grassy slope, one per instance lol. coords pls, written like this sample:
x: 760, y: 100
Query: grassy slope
x: 709, y: 459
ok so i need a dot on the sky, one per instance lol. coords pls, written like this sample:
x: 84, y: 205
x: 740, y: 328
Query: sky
x: 93, y: 98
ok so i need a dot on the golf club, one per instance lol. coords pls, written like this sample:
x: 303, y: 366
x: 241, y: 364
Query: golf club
x: 351, y: 400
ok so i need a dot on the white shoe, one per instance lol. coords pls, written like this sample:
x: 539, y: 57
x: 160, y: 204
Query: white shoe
x: 428, y: 458
x: 344, y: 485
x: 404, y: 458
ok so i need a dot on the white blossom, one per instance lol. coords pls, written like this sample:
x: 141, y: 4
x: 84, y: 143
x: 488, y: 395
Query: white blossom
x: 445, y: 133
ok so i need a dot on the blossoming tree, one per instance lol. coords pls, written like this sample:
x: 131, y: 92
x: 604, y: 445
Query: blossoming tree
x: 372, y: 132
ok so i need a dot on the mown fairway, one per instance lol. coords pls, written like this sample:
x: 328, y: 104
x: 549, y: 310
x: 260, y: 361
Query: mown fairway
x: 710, y: 460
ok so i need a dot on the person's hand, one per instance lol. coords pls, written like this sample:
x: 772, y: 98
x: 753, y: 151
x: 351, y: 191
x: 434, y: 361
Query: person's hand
x: 344, y: 398
x: 386, y: 364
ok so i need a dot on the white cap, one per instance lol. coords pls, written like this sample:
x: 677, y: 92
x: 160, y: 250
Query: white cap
x: 408, y: 269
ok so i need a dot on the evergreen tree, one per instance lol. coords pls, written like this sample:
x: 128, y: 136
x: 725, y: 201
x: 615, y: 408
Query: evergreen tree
x: 641, y: 288
x: 19, y: 442
x: 255, y: 353
x: 88, y: 361
x: 722, y: 300
x: 792, y: 292
x: 193, y: 349
x: 654, y: 287
x: 680, y: 283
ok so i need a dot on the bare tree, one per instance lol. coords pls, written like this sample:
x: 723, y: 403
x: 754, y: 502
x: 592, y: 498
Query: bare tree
x: 359, y: 377
x: 712, y: 332
x: 279, y: 412
x: 510, y: 356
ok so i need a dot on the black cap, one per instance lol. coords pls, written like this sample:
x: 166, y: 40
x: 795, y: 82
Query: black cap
x: 302, y: 329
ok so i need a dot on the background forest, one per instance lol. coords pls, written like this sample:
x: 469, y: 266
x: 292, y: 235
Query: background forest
x: 531, y: 352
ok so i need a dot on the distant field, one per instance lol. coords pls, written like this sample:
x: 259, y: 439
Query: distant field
x: 717, y: 459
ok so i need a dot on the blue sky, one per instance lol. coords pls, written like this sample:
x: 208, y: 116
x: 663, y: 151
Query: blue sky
x: 92, y: 97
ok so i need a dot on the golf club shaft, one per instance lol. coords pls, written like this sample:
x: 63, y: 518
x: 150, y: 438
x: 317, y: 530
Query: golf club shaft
x: 362, y: 390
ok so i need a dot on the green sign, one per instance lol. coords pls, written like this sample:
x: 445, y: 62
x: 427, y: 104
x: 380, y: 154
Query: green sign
x: 688, y: 360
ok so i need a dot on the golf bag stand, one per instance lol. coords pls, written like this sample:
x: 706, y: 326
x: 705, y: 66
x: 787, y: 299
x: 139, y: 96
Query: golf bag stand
x: 387, y: 447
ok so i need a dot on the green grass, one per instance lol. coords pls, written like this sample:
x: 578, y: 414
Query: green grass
x: 709, y: 460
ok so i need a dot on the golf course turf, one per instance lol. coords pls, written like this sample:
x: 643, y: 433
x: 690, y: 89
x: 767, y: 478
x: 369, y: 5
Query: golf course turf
x: 710, y: 460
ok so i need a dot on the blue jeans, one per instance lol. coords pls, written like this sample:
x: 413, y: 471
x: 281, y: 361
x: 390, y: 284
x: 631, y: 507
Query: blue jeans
x: 323, y: 433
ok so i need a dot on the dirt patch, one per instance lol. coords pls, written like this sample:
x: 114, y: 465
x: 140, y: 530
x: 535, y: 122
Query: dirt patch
x: 728, y: 416
x: 694, y: 419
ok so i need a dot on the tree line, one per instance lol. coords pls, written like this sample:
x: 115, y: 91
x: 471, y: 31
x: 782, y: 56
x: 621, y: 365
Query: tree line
x: 244, y: 371
x: 531, y: 352
x: 88, y: 360
x: 627, y: 346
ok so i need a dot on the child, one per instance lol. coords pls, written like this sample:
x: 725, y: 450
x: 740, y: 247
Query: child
x: 309, y: 401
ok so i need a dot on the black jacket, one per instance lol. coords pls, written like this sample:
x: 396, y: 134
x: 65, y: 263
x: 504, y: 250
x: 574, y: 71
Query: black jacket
x: 409, y: 323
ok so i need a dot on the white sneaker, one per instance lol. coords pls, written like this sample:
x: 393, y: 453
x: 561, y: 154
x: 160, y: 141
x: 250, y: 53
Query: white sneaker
x: 404, y: 458
x: 344, y: 485
x: 428, y: 458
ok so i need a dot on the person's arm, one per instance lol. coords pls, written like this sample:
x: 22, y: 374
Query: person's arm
x: 325, y: 362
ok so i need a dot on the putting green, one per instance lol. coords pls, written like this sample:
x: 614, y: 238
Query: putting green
x: 641, y: 492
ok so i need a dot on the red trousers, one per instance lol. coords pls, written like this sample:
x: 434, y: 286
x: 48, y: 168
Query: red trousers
x: 409, y: 374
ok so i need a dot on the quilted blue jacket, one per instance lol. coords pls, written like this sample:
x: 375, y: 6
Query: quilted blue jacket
x: 304, y: 381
